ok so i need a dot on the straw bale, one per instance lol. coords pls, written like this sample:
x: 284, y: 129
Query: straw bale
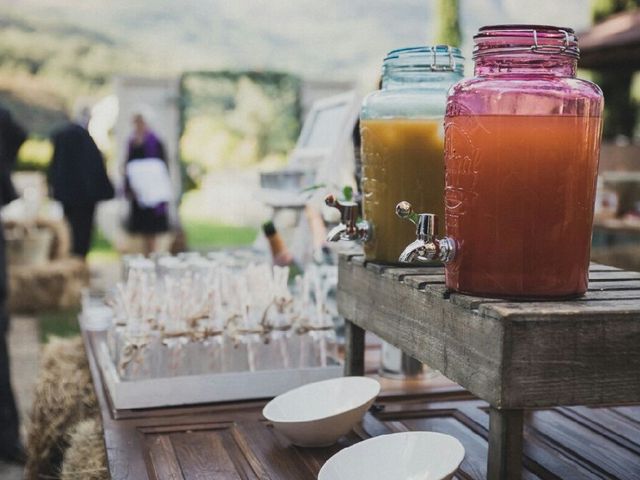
x: 55, y: 285
x: 86, y: 457
x: 61, y: 245
x: 64, y: 396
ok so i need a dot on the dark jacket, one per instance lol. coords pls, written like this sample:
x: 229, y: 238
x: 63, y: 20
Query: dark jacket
x: 12, y: 136
x: 77, y: 173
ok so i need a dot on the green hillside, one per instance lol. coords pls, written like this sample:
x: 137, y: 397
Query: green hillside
x: 45, y: 65
x: 51, y: 52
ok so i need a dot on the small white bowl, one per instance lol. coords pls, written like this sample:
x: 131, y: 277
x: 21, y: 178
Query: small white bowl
x: 318, y: 414
x: 398, y: 456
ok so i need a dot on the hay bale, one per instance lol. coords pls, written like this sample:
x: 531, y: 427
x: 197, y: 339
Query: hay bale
x: 55, y: 285
x: 86, y: 457
x: 64, y: 396
x: 60, y: 242
x: 61, y: 245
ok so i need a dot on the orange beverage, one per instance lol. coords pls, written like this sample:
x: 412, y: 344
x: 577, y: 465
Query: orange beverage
x: 402, y: 159
x: 519, y: 203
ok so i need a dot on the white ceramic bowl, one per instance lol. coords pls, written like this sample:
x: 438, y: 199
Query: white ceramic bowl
x: 318, y: 414
x: 398, y: 456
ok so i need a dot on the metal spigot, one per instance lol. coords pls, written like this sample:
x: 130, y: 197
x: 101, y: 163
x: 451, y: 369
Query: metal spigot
x: 350, y: 228
x: 427, y: 246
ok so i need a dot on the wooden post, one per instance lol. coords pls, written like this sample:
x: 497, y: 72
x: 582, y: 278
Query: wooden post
x: 505, y: 444
x: 354, y: 349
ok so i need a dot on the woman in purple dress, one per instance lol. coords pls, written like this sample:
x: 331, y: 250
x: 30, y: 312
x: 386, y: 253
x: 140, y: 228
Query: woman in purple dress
x: 148, y: 221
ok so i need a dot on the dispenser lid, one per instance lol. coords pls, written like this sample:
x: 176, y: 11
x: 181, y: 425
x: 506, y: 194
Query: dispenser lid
x: 441, y: 58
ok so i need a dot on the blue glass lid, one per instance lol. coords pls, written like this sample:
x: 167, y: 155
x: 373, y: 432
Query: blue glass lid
x: 437, y: 58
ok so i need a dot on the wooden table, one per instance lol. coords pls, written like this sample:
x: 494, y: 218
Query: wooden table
x: 233, y: 441
x: 514, y: 355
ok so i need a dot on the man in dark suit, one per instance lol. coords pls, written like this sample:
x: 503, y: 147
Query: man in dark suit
x: 78, y: 180
x: 12, y: 136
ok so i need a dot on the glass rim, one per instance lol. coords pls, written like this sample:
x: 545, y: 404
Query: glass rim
x: 525, y: 39
x: 440, y: 58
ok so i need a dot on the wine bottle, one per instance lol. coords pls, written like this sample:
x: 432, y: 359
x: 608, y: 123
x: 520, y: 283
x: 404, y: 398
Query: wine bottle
x: 281, y: 255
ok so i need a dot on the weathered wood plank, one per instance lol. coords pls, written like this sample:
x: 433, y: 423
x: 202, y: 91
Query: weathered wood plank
x: 470, y: 302
x: 607, y: 423
x: 203, y: 455
x: 505, y: 444
x: 613, y: 275
x: 439, y: 291
x: 598, y: 295
x: 512, y: 354
x: 419, y: 282
x: 614, y: 285
x: 163, y: 458
x: 376, y: 267
x: 598, y: 267
x: 257, y: 443
x: 612, y: 460
x: 433, y: 331
x: 354, y: 349
x: 401, y: 273
x: 567, y: 354
x: 541, y: 456
x: 577, y: 310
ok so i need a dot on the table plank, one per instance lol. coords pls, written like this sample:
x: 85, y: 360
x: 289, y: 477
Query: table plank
x: 613, y: 275
x: 231, y: 441
x: 512, y: 354
x: 204, y: 455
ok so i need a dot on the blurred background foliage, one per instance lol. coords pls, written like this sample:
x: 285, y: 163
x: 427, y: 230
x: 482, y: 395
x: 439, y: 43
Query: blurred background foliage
x: 237, y: 119
x: 449, y: 23
x: 53, y: 52
x: 621, y: 105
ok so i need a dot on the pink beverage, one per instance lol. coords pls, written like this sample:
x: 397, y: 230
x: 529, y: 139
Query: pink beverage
x: 522, y: 142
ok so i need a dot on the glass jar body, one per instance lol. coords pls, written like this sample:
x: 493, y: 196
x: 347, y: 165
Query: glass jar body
x: 521, y: 153
x: 402, y: 133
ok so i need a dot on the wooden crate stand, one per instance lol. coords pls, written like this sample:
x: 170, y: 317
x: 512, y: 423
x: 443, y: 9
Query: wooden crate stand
x: 514, y: 355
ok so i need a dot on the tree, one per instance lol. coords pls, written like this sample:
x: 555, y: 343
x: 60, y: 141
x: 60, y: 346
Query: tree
x: 601, y: 9
x: 449, y: 23
x: 620, y: 109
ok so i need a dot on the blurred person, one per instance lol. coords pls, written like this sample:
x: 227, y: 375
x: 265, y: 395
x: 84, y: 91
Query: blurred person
x: 12, y: 136
x: 147, y: 184
x: 78, y: 179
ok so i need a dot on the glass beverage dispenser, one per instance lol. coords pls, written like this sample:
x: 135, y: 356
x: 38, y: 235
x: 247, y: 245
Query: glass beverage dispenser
x: 402, y: 148
x: 522, y: 145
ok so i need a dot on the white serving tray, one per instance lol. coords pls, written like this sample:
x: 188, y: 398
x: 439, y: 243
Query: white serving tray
x: 194, y: 389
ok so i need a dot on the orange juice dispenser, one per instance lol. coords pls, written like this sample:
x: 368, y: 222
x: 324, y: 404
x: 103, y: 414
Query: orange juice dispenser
x: 522, y: 143
x: 401, y: 126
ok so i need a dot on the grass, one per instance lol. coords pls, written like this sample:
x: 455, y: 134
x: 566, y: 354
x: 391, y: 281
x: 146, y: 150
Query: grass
x: 101, y: 250
x: 201, y: 235
x: 61, y: 323
x: 205, y: 235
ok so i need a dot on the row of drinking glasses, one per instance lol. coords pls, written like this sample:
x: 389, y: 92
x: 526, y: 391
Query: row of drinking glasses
x: 195, y: 314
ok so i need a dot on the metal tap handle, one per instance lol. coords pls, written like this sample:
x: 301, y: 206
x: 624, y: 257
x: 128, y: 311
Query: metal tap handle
x: 350, y: 229
x: 427, y: 246
x: 426, y: 223
x: 405, y: 210
x: 348, y: 210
